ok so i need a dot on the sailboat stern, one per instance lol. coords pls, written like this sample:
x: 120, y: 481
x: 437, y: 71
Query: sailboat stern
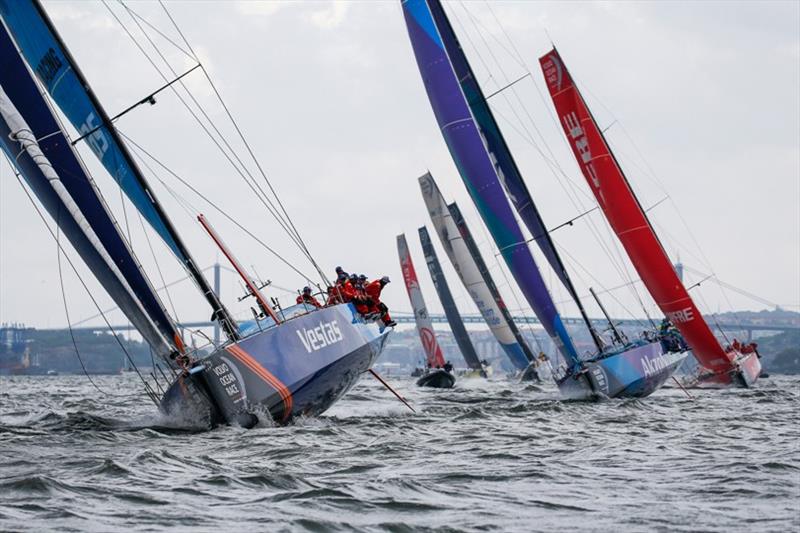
x: 298, y: 368
x: 744, y: 371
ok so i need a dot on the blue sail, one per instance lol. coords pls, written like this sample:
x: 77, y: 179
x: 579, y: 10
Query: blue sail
x: 449, y: 305
x: 468, y: 150
x: 505, y: 165
x: 58, y: 73
x: 24, y: 95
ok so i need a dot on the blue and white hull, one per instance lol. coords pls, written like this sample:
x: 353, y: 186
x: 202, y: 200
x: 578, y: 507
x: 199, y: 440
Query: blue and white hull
x: 633, y: 373
x: 300, y: 367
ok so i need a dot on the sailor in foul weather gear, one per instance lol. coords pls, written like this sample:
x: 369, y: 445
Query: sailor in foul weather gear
x: 307, y: 298
x: 373, y: 290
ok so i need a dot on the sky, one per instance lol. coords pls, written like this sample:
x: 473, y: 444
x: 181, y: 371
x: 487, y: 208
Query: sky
x: 701, y: 101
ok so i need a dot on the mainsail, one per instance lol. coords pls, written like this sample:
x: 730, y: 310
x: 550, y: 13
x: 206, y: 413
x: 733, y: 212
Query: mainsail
x: 449, y: 305
x: 21, y: 89
x: 504, y: 163
x: 466, y: 144
x: 472, y: 271
x: 433, y: 352
x: 626, y: 216
x: 49, y: 59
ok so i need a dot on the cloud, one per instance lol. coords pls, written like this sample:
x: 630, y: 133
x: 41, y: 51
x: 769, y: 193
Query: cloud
x: 330, y: 17
x: 263, y: 8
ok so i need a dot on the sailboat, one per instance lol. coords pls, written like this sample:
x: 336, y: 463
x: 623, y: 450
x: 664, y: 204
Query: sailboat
x: 491, y: 176
x: 273, y: 368
x: 719, y: 366
x: 465, y: 257
x: 435, y: 373
x: 450, y: 310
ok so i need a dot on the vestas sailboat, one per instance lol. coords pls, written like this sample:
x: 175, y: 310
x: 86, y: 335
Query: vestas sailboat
x: 450, y: 310
x: 282, y: 369
x: 465, y: 257
x: 719, y: 366
x: 489, y: 172
x: 434, y: 374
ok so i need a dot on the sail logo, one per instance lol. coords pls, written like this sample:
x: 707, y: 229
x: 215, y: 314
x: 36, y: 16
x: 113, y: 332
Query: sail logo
x: 429, y: 342
x: 48, y: 66
x: 656, y: 365
x: 681, y: 316
x: 580, y: 142
x: 97, y: 138
x: 326, y: 334
x: 553, y: 72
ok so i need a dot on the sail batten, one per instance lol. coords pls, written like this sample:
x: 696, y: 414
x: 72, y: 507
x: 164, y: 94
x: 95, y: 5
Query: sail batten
x: 626, y: 216
x: 467, y: 147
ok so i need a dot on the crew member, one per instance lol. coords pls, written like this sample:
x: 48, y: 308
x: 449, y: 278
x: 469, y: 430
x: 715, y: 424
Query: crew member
x: 373, y: 290
x: 307, y: 298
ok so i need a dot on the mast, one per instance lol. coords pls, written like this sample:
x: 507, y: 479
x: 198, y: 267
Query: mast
x: 220, y: 313
x: 626, y: 217
x: 504, y: 162
x: 611, y: 324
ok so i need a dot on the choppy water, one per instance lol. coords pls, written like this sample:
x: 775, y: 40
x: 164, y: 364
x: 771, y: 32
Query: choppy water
x: 493, y: 456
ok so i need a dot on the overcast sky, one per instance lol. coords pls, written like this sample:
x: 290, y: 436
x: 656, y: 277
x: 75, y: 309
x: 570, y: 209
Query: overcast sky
x: 702, y: 101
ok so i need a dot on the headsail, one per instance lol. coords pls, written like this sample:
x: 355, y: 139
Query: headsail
x: 472, y: 271
x: 433, y: 352
x: 449, y: 305
x: 626, y: 216
x: 504, y: 163
x: 27, y: 100
x: 463, y: 137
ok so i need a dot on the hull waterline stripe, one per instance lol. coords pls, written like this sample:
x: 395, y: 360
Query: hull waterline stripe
x: 263, y: 373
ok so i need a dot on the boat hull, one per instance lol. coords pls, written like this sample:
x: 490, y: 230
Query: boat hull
x: 298, y: 368
x: 438, y: 379
x: 634, y: 373
x: 745, y: 372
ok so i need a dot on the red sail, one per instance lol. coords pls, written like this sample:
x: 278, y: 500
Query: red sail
x: 626, y: 216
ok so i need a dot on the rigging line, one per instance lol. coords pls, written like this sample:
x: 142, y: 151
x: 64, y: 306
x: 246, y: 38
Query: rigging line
x: 214, y: 206
x: 743, y: 292
x: 202, y: 125
x: 592, y: 227
x: 498, y: 91
x: 623, y: 273
x: 249, y: 180
x: 75, y: 270
x: 162, y: 34
x: 249, y: 149
x: 72, y: 333
x: 158, y: 268
x: 295, y: 235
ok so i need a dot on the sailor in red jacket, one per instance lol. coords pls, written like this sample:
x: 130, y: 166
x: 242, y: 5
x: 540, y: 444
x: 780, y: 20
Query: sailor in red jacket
x: 373, y: 290
x: 307, y: 298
